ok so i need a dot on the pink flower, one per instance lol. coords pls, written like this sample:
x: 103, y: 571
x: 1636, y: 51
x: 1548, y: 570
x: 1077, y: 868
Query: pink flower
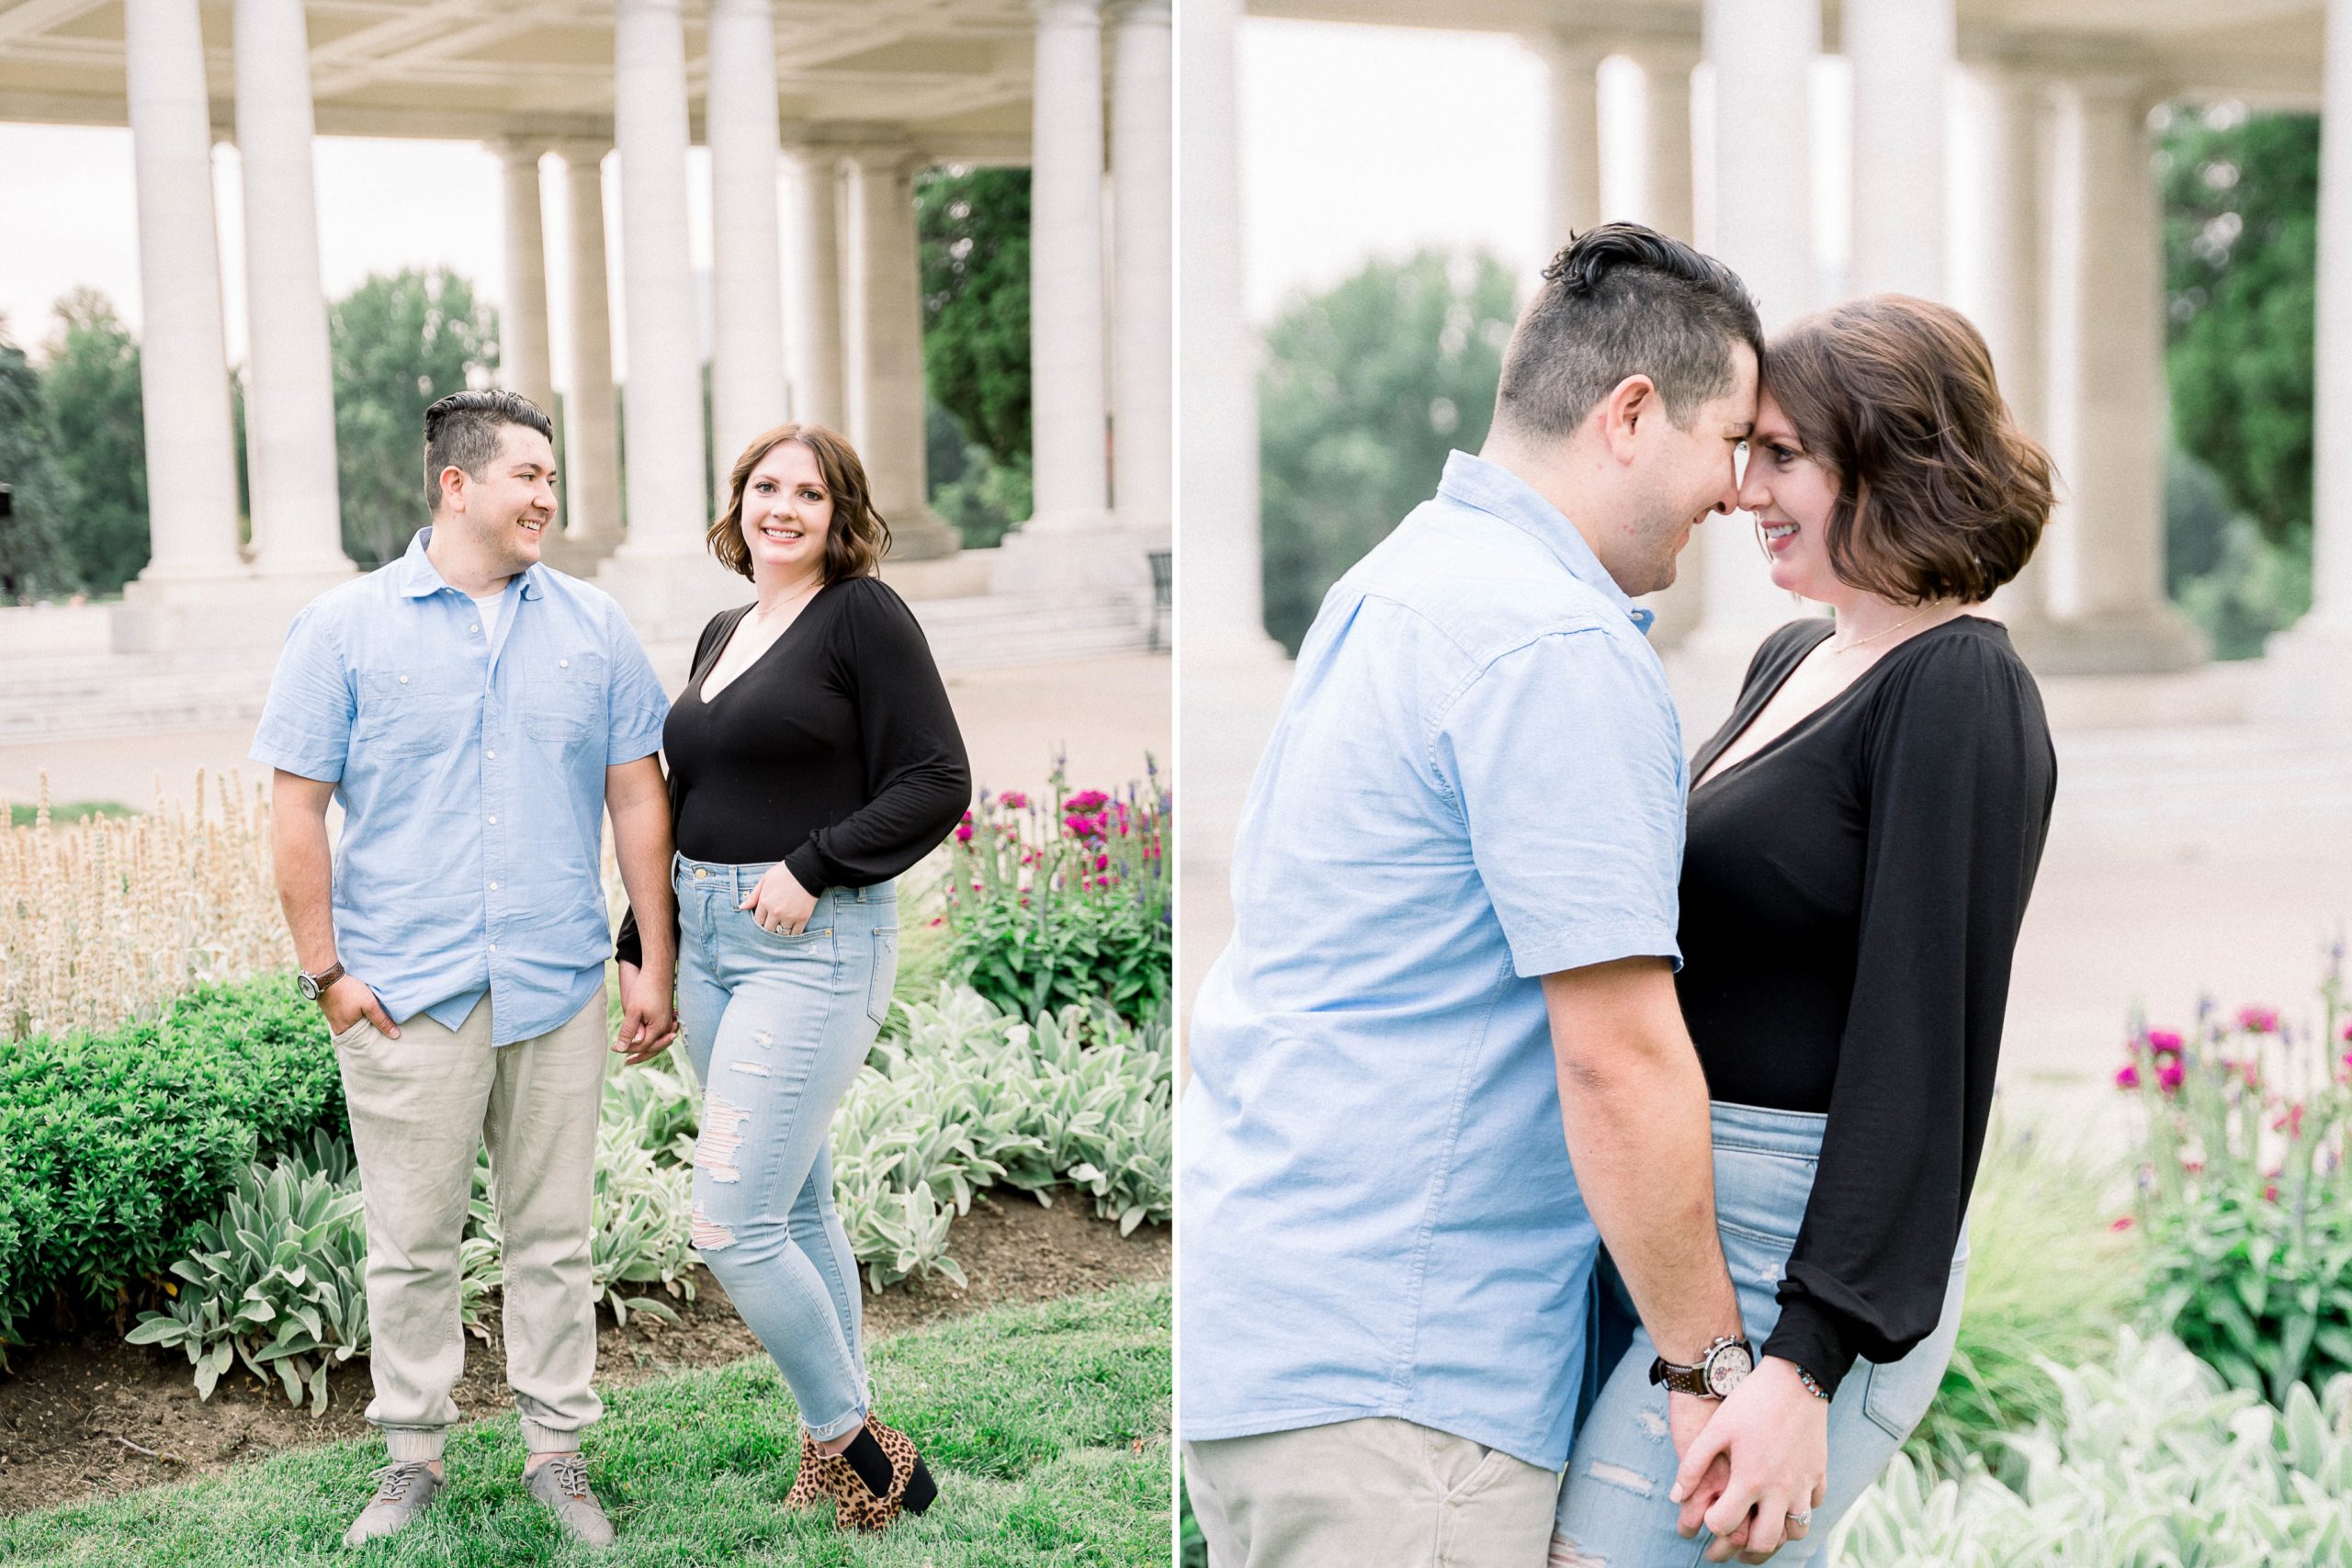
x: 964, y: 833
x: 938, y: 920
x: 2193, y: 1166
x: 1101, y: 863
x: 2164, y: 1043
x: 2292, y: 1123
x: 2258, y: 1021
x: 1087, y: 800
x: 2120, y: 1223
x: 2348, y: 1031
x: 2168, y: 1076
x: 2270, y: 1193
x: 1013, y: 800
x: 2126, y: 1078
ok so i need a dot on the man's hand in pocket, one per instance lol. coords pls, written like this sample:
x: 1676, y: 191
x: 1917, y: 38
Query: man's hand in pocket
x: 348, y: 1000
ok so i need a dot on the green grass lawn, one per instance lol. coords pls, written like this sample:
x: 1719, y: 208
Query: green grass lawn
x: 21, y: 815
x: 1047, y: 1427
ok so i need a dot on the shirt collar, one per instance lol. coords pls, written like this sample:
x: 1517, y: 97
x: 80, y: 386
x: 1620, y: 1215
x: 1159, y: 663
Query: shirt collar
x: 417, y: 578
x: 1492, y: 488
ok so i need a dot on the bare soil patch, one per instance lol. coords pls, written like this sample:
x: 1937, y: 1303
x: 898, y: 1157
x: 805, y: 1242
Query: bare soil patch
x: 92, y: 1416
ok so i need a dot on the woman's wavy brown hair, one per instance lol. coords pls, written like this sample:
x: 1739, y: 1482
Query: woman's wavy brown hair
x: 1939, y: 494
x: 857, y: 538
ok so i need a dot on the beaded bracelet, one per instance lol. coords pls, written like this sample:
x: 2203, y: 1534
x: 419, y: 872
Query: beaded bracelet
x: 1811, y: 1387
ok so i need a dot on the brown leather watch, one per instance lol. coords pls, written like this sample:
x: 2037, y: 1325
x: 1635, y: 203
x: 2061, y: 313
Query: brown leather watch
x: 1717, y: 1372
x: 313, y: 986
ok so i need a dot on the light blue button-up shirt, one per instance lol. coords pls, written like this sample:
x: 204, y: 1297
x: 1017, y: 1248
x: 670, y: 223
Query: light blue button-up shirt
x: 470, y: 761
x: 1478, y: 779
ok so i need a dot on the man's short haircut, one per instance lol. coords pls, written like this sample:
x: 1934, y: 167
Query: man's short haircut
x: 461, y: 432
x: 1624, y: 301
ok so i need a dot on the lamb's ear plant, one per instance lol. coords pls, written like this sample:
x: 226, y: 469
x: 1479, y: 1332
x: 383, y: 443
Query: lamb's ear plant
x: 275, y: 1280
x: 2151, y: 1459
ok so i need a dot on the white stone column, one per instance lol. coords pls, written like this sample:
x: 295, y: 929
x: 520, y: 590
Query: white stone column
x: 183, y: 363
x: 523, y: 356
x: 1233, y: 673
x: 2012, y: 228
x: 1761, y: 53
x: 1068, y: 383
x: 591, y: 449
x: 1143, y: 170
x: 2107, y: 404
x: 289, y: 403
x: 812, y: 284
x: 1902, y: 52
x: 660, y: 573
x: 747, y: 392
x: 2307, y: 674
x: 883, y: 313
x: 1667, y: 170
x: 1572, y: 147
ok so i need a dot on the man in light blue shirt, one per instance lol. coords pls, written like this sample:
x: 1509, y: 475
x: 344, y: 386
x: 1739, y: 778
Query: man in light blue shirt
x: 476, y: 714
x: 1454, y: 897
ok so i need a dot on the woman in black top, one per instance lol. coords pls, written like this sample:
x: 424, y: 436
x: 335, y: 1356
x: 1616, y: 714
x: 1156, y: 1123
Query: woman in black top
x: 813, y: 758
x: 1863, y: 835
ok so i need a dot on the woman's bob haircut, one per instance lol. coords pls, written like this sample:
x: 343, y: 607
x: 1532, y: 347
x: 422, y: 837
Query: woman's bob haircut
x: 1939, y: 494
x: 857, y: 539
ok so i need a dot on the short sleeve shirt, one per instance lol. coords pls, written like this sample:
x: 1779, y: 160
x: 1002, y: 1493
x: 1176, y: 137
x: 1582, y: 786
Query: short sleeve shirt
x: 468, y: 755
x: 1478, y: 779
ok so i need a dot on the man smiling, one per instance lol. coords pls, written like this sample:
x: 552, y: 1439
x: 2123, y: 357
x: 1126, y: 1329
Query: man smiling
x: 475, y: 713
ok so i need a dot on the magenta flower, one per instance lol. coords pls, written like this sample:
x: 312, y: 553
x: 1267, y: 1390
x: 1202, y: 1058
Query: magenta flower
x: 1101, y: 863
x: 964, y: 833
x: 2270, y: 1193
x: 2292, y: 1123
x: 2168, y: 1076
x: 1087, y: 800
x: 2164, y: 1043
x: 2258, y: 1021
x: 2127, y: 1076
x: 1013, y: 800
x: 2120, y: 1223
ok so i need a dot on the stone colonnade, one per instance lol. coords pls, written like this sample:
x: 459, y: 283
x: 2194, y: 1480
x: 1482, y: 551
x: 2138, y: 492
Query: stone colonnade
x: 815, y: 304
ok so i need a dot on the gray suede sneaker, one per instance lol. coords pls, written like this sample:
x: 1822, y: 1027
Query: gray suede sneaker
x: 403, y: 1491
x: 562, y: 1485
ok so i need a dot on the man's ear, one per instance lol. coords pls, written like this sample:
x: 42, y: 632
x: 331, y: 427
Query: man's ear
x: 1620, y: 413
x: 452, y: 490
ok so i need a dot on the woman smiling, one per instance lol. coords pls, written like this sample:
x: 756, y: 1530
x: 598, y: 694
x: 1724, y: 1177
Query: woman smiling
x: 813, y: 758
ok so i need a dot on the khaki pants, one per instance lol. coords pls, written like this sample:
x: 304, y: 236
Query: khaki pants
x: 420, y: 1106
x: 1369, y: 1494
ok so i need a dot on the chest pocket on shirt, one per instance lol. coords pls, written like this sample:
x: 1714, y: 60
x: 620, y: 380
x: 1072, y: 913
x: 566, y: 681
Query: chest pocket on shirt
x: 410, y: 712
x: 563, y: 699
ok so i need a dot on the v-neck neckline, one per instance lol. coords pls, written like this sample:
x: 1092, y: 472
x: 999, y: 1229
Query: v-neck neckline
x: 703, y: 694
x: 1707, y: 758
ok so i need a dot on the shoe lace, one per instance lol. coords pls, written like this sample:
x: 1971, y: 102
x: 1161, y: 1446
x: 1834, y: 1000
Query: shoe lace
x: 394, y: 1481
x: 571, y: 1474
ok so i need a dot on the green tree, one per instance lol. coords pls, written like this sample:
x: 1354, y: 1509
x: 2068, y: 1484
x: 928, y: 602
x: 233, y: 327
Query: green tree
x: 1365, y: 390
x: 91, y: 386
x: 398, y: 343
x: 34, y: 561
x: 973, y: 225
x: 2241, y: 256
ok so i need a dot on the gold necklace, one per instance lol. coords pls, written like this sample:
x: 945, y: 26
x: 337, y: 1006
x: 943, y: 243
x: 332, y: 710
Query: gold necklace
x: 1837, y: 648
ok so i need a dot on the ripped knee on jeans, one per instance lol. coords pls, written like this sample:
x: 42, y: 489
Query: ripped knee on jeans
x: 709, y: 1235
x: 721, y: 1139
x: 1566, y: 1553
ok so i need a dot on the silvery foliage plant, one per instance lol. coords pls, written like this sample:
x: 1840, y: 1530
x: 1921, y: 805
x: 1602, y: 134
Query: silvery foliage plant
x: 2153, y: 1461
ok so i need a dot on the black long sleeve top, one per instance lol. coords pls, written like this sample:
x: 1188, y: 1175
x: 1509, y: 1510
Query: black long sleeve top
x: 1852, y: 895
x: 835, y: 751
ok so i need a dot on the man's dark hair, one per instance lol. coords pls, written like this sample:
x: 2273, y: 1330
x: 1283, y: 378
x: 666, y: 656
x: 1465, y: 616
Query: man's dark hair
x: 1624, y: 301
x: 461, y: 432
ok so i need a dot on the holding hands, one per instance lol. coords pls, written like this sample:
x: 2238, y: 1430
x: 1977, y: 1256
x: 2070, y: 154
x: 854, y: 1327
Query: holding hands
x: 1754, y: 1466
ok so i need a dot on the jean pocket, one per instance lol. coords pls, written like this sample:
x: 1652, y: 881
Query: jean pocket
x: 885, y: 976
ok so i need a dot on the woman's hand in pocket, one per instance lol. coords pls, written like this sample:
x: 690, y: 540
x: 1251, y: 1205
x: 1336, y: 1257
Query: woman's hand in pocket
x: 348, y: 1000
x: 779, y: 903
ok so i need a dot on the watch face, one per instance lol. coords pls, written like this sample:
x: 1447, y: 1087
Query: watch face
x: 1727, y: 1367
x: 308, y: 987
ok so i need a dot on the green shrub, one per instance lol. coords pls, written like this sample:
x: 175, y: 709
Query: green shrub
x: 277, y: 1279
x: 2148, y: 1460
x: 2247, y: 1198
x: 1065, y: 901
x: 113, y: 1146
x: 2047, y: 1279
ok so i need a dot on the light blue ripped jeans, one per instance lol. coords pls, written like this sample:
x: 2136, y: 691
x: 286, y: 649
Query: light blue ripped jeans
x: 1613, y: 1505
x: 777, y: 1028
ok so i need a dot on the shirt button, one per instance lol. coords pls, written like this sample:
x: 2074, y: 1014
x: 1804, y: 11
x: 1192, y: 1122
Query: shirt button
x: 494, y: 887
x: 491, y: 755
x: 563, y: 663
x: 403, y: 679
x: 493, y: 821
x: 494, y: 947
x: 475, y: 627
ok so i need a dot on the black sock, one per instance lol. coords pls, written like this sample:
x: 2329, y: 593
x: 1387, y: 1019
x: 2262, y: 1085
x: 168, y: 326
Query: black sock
x: 866, y: 1457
